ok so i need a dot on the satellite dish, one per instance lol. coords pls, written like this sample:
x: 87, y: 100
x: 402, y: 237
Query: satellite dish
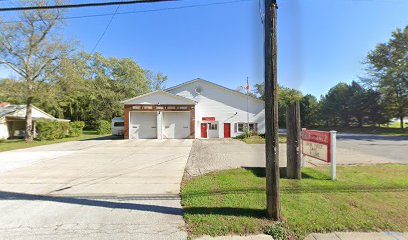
x: 198, y: 90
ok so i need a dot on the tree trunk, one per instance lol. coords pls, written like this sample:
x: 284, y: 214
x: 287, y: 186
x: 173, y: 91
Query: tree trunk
x: 29, y: 121
x: 402, y: 122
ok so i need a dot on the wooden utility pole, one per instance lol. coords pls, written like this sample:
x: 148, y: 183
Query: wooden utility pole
x: 271, y: 112
x: 294, y: 157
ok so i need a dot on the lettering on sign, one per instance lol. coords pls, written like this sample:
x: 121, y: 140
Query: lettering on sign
x: 208, y: 118
x: 316, y: 144
x: 315, y: 150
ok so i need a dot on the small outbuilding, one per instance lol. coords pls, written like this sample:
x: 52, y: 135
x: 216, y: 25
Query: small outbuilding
x: 12, y: 119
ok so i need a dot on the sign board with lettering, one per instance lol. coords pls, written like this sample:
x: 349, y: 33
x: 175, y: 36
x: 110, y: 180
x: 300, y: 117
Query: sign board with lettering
x: 316, y: 144
x: 320, y: 145
x: 208, y: 118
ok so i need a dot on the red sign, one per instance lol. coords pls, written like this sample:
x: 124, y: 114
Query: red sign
x: 208, y: 118
x: 316, y: 144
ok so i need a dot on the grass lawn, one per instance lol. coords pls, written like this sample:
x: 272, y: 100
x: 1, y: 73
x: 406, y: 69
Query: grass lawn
x: 13, y: 144
x: 365, y: 198
x: 261, y: 140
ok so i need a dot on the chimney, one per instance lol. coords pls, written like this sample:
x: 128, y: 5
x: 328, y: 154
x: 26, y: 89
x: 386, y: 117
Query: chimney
x: 4, y: 104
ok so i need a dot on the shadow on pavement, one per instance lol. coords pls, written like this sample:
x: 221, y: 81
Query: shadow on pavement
x: 110, y: 137
x: 91, y: 202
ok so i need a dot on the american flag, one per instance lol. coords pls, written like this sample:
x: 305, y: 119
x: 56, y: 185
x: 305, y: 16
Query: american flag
x: 247, y: 86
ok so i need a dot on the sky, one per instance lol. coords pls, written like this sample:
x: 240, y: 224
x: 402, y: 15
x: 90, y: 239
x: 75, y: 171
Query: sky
x: 320, y: 42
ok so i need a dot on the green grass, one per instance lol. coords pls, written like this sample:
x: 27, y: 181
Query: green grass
x: 365, y: 198
x: 6, y: 145
x: 261, y: 140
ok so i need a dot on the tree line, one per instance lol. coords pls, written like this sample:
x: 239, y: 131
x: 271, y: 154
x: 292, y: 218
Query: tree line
x: 68, y: 83
x: 375, y: 99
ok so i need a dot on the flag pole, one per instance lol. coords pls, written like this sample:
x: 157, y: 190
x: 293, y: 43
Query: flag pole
x: 247, y: 88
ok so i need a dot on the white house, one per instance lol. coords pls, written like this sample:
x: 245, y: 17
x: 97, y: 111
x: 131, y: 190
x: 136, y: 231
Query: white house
x: 12, y: 119
x: 195, y: 109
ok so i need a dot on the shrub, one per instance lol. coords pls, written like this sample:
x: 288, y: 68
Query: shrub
x: 277, y: 231
x: 103, y: 127
x: 51, y: 130
x: 76, y: 128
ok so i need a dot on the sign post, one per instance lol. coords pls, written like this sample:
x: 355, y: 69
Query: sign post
x: 320, y: 145
x: 333, y: 154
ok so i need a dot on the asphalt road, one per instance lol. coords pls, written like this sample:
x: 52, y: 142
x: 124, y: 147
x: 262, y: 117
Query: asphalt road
x: 393, y: 148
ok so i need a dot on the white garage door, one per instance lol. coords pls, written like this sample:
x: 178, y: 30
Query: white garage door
x: 176, y: 125
x: 143, y: 125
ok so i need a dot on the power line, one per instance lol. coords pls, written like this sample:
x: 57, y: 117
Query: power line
x: 80, y: 5
x: 104, y: 31
x: 140, y: 11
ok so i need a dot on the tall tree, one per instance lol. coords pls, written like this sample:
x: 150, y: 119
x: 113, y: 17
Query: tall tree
x: 387, y: 70
x: 309, y: 110
x: 33, y: 49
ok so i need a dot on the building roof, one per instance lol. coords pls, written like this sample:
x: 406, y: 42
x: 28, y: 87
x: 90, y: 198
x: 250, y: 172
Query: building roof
x: 215, y: 84
x: 10, y: 110
x: 4, y: 111
x: 180, y: 98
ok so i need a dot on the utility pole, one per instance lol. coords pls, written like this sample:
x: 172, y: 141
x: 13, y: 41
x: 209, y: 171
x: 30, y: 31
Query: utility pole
x: 293, y: 149
x: 271, y: 112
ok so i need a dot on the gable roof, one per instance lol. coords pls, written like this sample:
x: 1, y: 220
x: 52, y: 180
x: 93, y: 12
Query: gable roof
x: 10, y: 109
x: 182, y: 100
x: 211, y: 83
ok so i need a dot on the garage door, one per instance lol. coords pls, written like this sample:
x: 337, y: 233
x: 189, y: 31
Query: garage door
x: 143, y: 125
x: 176, y: 125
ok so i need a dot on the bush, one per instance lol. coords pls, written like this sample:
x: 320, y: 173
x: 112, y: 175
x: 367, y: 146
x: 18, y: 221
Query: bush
x: 277, y: 231
x: 76, y: 128
x: 51, y: 130
x: 103, y: 127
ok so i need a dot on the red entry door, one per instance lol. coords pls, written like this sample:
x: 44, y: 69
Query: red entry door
x: 204, y: 130
x: 227, y: 130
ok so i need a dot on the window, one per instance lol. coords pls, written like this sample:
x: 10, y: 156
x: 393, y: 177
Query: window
x: 253, y: 127
x: 148, y: 107
x: 240, y: 127
x: 118, y: 124
x: 213, y: 126
x: 182, y: 108
x: 171, y: 107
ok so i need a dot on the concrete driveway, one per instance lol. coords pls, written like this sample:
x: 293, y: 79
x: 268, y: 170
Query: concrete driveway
x: 95, y: 189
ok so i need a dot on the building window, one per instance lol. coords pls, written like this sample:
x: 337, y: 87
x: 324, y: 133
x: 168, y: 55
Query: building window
x: 136, y: 107
x: 148, y: 107
x: 240, y: 127
x: 118, y: 124
x: 182, y: 108
x: 159, y: 108
x: 171, y: 107
x: 213, y: 126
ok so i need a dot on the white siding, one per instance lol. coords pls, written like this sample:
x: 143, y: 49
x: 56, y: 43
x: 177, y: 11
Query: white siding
x: 4, y: 133
x: 225, y: 105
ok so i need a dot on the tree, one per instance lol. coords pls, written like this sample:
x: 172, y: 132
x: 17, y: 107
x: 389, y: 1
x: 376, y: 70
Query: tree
x: 33, y: 49
x: 387, y: 70
x: 309, y: 110
x: 157, y: 81
x: 97, y: 85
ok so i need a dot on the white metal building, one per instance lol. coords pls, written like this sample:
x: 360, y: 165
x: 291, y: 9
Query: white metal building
x: 195, y: 109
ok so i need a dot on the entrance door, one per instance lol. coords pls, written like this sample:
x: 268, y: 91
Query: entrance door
x: 227, y: 130
x: 204, y: 130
